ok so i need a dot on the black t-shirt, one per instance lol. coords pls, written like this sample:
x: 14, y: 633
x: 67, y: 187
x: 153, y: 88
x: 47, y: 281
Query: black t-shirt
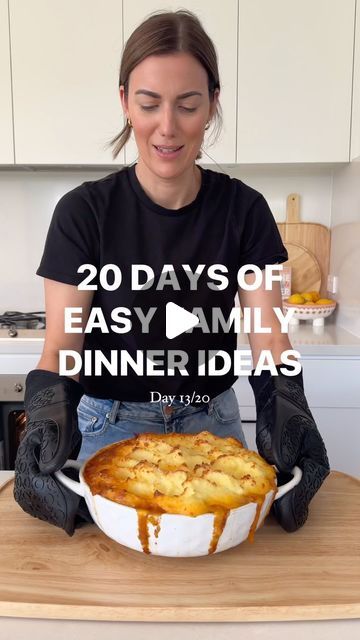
x: 113, y: 221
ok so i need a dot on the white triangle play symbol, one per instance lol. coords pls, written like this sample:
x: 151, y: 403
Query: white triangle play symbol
x: 178, y: 320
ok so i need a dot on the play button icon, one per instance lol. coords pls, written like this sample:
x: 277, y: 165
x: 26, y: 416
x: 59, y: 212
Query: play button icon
x: 178, y: 320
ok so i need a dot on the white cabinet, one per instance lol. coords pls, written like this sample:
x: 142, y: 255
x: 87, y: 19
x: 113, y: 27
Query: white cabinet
x: 355, y: 127
x: 332, y: 382
x: 245, y: 398
x: 340, y: 430
x: 6, y: 130
x: 220, y: 22
x: 65, y: 62
x: 286, y: 74
x: 249, y: 429
x: 332, y: 389
x: 295, y: 80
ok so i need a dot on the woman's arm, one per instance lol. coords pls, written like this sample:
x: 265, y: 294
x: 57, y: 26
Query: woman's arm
x: 58, y: 296
x: 275, y: 341
x: 52, y: 434
x: 286, y: 433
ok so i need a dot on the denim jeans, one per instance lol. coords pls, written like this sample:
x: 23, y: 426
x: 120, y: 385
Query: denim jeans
x: 103, y: 422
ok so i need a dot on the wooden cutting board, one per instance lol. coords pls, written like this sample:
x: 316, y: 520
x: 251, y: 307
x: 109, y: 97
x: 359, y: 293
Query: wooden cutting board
x: 311, y: 574
x: 308, y: 245
x: 305, y: 269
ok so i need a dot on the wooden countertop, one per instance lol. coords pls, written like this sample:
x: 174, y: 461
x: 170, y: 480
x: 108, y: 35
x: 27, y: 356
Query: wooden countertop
x: 312, y: 574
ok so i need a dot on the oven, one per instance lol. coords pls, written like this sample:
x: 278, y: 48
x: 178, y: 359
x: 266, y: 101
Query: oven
x: 12, y: 417
x: 21, y: 341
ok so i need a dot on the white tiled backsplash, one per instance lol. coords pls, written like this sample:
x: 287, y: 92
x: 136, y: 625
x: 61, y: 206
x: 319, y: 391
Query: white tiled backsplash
x: 329, y: 194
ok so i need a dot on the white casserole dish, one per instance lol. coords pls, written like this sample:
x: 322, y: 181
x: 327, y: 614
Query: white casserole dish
x: 171, y: 534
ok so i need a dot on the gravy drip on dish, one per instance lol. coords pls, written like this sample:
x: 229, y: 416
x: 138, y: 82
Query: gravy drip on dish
x: 185, y: 474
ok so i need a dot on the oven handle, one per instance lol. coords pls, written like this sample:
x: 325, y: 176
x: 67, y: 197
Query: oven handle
x: 77, y: 487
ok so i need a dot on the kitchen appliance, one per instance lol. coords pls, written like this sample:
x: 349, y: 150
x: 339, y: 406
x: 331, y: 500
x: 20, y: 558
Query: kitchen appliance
x: 19, y: 324
x: 17, y: 331
x: 308, y: 246
x: 171, y: 534
x: 12, y: 416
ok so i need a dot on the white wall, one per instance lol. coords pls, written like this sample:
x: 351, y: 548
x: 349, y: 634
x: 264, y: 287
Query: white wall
x: 345, y: 245
x: 312, y: 182
x: 28, y: 198
x: 27, y: 201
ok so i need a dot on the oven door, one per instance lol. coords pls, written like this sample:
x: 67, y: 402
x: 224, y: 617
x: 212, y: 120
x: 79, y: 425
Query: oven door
x: 12, y: 417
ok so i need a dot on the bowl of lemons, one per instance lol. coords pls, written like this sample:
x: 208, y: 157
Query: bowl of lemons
x: 308, y: 305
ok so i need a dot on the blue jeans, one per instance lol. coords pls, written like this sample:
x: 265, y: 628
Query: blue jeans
x: 103, y: 422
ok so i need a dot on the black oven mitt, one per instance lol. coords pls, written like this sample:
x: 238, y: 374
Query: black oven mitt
x: 50, y: 438
x: 286, y: 435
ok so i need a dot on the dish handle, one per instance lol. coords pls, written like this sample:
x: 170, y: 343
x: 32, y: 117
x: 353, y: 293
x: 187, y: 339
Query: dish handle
x: 73, y: 485
x: 297, y: 475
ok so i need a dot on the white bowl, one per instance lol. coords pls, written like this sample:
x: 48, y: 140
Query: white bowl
x: 171, y: 534
x: 314, y: 312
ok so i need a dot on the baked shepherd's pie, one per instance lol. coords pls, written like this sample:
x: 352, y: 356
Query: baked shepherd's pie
x: 180, y: 474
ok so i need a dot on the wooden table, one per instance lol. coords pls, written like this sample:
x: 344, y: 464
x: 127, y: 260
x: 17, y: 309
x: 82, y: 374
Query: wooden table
x: 312, y: 574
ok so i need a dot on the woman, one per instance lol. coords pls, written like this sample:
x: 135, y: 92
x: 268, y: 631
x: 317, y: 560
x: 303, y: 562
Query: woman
x: 163, y: 212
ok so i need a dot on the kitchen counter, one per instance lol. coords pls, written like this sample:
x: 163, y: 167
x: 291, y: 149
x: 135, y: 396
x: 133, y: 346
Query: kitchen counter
x: 41, y: 568
x: 329, y: 340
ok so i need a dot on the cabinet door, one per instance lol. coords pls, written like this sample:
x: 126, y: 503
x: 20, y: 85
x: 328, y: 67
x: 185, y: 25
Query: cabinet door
x: 249, y: 429
x: 332, y: 389
x: 340, y: 430
x: 221, y: 26
x: 65, y: 61
x: 332, y: 382
x: 245, y: 398
x: 355, y: 127
x: 328, y: 382
x: 6, y: 130
x: 295, y: 80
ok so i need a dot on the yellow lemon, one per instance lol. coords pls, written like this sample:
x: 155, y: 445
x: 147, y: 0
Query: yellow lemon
x: 315, y: 295
x: 307, y: 295
x: 296, y: 298
x: 325, y: 301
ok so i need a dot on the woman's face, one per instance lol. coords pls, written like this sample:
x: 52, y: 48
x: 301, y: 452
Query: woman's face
x: 169, y: 106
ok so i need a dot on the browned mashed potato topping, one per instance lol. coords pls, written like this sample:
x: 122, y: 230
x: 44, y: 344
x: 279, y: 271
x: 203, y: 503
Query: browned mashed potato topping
x: 180, y: 473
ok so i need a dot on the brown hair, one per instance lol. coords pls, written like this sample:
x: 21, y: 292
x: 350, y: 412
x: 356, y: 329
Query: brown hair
x: 168, y: 32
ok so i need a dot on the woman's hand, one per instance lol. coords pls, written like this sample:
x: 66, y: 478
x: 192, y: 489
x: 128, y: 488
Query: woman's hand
x: 286, y: 435
x: 51, y: 437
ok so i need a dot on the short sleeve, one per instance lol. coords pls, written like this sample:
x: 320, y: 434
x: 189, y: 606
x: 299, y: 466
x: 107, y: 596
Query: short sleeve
x: 261, y: 242
x: 72, y: 239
